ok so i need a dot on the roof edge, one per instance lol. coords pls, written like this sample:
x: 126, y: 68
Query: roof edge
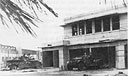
x: 95, y: 14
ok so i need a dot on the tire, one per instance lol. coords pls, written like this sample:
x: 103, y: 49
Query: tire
x: 69, y: 67
x: 81, y: 66
x: 13, y: 67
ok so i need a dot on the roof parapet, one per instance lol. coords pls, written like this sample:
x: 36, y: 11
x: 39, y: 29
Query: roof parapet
x: 95, y: 14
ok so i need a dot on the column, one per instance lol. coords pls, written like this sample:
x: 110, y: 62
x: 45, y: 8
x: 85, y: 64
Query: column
x: 93, y: 27
x: 61, y: 59
x: 120, y: 57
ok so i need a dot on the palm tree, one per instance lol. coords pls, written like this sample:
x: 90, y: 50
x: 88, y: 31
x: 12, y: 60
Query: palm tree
x: 13, y: 10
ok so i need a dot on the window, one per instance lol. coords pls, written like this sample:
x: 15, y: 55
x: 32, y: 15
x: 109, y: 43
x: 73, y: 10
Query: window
x: 97, y: 25
x: 74, y: 30
x: 115, y: 22
x: 88, y: 26
x: 81, y: 28
x: 106, y: 24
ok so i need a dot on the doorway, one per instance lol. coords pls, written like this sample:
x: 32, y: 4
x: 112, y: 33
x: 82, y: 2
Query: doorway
x: 51, y: 58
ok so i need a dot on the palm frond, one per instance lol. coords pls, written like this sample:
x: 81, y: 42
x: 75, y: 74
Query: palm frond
x: 17, y: 14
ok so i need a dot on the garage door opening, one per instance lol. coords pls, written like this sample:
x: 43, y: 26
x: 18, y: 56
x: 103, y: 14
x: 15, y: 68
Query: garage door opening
x: 51, y: 58
x: 107, y: 54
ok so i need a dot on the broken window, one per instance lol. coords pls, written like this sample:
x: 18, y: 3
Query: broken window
x: 74, y: 30
x: 115, y: 22
x: 106, y: 24
x: 98, y: 25
x: 81, y: 28
x: 88, y: 26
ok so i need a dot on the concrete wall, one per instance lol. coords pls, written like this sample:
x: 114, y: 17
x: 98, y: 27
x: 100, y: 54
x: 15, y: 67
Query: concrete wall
x: 67, y: 31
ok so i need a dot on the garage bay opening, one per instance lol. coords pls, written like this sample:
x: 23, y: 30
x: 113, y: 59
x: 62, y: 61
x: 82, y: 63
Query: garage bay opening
x: 107, y: 54
x: 51, y: 58
x: 98, y: 57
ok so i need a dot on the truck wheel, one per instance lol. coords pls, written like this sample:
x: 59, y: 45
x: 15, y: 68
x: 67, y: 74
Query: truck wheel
x: 69, y: 67
x: 13, y: 67
x: 81, y: 66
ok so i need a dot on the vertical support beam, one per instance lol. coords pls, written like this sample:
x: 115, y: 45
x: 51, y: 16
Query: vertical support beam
x: 61, y: 59
x: 120, y: 57
x: 102, y: 25
x: 66, y: 56
x: 111, y: 24
x: 93, y: 27
x: 85, y: 27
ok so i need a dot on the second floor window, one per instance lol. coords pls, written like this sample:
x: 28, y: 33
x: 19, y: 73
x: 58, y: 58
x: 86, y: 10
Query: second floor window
x: 106, y: 24
x: 81, y: 28
x: 115, y: 22
x: 101, y: 24
x: 88, y: 26
x: 97, y: 25
x: 74, y: 30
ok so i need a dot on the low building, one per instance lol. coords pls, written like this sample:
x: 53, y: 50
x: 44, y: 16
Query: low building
x: 100, y: 33
x: 7, y: 52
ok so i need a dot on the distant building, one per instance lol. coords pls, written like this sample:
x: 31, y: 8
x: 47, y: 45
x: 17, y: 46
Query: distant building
x: 7, y: 52
x: 100, y: 33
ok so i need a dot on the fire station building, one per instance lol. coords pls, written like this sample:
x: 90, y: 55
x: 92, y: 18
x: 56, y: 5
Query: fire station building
x: 101, y: 33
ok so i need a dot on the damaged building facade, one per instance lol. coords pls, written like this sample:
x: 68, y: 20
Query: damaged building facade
x: 100, y: 33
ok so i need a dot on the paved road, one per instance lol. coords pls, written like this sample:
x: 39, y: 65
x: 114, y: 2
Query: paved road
x: 58, y: 73
x: 47, y: 74
x: 65, y: 73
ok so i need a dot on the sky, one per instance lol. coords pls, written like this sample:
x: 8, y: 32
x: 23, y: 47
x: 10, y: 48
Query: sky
x: 50, y: 31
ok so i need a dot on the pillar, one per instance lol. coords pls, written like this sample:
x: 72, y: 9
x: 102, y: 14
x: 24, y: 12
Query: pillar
x: 120, y: 57
x: 63, y: 57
